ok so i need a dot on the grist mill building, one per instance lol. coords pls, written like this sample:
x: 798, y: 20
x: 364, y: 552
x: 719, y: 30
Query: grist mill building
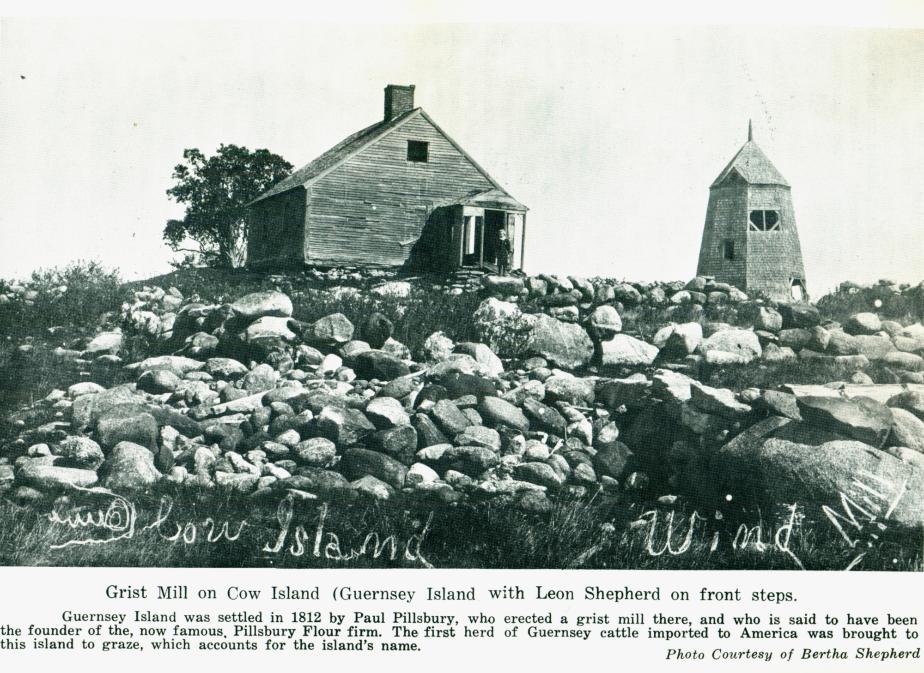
x: 400, y: 192
x: 750, y: 238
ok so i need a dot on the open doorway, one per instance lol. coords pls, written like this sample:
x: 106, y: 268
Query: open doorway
x: 797, y: 290
x: 494, y: 221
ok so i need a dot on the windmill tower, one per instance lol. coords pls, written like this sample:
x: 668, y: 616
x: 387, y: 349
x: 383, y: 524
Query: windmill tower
x: 750, y: 238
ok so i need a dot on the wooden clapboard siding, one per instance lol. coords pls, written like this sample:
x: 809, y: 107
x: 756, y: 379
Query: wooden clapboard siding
x: 276, y: 232
x: 372, y: 208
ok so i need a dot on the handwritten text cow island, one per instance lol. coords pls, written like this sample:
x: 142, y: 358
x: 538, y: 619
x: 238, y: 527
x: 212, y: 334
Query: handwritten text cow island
x: 114, y: 519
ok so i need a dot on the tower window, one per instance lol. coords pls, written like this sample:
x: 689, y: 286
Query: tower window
x: 728, y: 249
x: 418, y: 151
x: 764, y: 220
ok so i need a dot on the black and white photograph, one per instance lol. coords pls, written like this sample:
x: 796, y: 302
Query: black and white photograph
x: 469, y: 294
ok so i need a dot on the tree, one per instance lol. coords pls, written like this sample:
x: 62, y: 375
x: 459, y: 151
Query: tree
x: 215, y: 191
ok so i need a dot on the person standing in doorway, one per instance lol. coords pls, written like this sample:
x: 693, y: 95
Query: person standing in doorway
x: 504, y: 253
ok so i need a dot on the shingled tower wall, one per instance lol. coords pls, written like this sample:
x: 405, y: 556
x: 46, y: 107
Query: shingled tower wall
x: 750, y: 238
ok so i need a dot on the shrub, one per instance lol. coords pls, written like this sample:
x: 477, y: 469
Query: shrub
x: 904, y: 304
x: 71, y: 296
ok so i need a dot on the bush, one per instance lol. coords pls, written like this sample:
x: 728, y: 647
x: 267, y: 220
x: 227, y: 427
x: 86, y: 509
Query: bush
x: 904, y: 304
x: 72, y: 296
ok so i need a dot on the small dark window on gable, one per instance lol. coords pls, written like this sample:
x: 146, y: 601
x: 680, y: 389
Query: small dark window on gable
x: 728, y: 249
x: 418, y: 151
x: 764, y: 220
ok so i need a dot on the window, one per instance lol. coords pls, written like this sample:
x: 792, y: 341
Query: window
x: 418, y: 151
x: 764, y: 220
x: 728, y: 249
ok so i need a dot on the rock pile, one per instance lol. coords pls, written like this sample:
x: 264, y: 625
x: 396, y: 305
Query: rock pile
x: 262, y: 404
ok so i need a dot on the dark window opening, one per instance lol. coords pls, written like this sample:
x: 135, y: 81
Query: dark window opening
x: 418, y: 150
x: 728, y: 249
x: 764, y: 220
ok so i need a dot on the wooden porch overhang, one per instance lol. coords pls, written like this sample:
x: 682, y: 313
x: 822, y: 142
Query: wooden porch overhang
x: 493, y: 199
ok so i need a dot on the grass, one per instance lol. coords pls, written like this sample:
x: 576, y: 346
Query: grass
x: 574, y: 534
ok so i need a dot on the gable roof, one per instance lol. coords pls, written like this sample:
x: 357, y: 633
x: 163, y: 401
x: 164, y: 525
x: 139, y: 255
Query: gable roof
x: 345, y: 148
x: 352, y: 145
x: 753, y: 165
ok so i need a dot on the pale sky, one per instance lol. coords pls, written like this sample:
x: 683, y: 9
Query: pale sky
x: 611, y: 135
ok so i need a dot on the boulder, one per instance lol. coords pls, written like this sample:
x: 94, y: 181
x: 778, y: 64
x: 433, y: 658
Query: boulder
x: 260, y: 379
x: 80, y: 452
x: 479, y: 435
x: 841, y: 343
x: 399, y: 442
x: 544, y: 417
x: 795, y: 338
x: 491, y: 365
x: 386, y: 412
x: 130, y: 467
x: 627, y: 391
x: 499, y: 412
x: 907, y: 361
x: 742, y: 344
x: 344, y: 427
x: 773, y: 354
x: 778, y: 472
x: 604, y: 323
x: 200, y: 344
x: 717, y: 401
x: 371, y: 487
x: 873, y: 346
x: 907, y: 430
x: 427, y: 432
x: 55, y: 478
x: 326, y: 484
x: 863, y: 323
x: 358, y: 463
x: 799, y: 315
x: 84, y: 388
x: 269, y: 333
x: 316, y: 452
x: 574, y: 390
x: 178, y: 364
x: 399, y: 289
x: 470, y: 460
x: 400, y: 387
x: 768, y: 319
x: 541, y: 474
x: 563, y: 344
x: 678, y: 341
x: 449, y: 417
x: 259, y: 304
x: 860, y: 418
x: 506, y: 286
x: 671, y: 386
x: 396, y: 348
x: 127, y: 423
x: 330, y: 330
x: 225, y: 368
x: 105, y: 342
x: 376, y: 364
x: 910, y: 400
x: 627, y: 351
x: 459, y: 384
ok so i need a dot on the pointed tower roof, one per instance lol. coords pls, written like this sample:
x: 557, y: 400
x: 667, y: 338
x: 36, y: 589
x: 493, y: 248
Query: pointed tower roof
x: 753, y: 165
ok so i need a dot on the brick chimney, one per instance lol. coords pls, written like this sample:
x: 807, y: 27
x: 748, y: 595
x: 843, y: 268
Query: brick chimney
x: 398, y: 100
